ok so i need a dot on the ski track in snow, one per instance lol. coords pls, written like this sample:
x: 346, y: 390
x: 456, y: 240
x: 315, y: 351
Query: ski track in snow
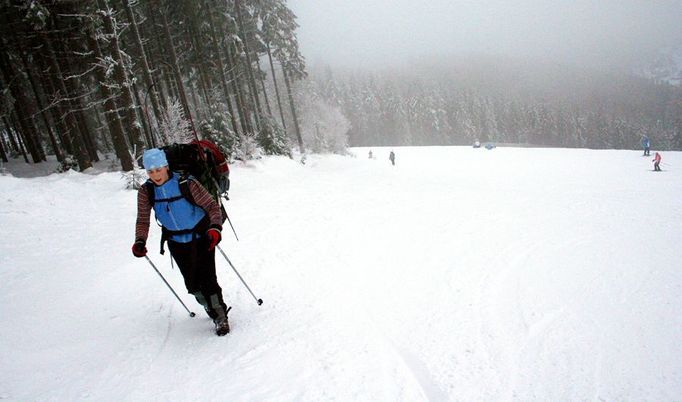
x: 458, y: 274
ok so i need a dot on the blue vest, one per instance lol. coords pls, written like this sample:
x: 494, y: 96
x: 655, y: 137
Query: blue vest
x: 174, y: 212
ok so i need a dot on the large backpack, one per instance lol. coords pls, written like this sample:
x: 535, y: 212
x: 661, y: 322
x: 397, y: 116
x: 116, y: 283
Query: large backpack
x: 205, y: 162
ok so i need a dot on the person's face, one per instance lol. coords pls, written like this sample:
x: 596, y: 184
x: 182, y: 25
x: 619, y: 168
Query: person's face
x: 158, y: 175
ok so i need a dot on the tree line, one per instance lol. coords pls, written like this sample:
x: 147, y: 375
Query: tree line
x: 81, y: 78
x: 506, y: 101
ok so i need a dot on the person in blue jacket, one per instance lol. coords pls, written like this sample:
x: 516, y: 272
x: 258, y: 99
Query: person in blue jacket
x: 192, y: 230
x: 646, y: 144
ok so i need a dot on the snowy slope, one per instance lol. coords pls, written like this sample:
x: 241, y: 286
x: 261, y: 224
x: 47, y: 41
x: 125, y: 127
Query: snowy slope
x: 458, y: 274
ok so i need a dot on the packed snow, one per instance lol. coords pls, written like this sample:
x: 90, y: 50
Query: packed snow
x: 457, y: 274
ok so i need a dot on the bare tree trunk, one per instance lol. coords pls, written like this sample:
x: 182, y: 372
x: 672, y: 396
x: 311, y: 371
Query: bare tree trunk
x: 12, y: 141
x: 169, y: 82
x: 3, y: 154
x: 111, y: 114
x: 262, y: 84
x: 21, y: 105
x: 274, y: 80
x: 69, y: 46
x: 55, y: 145
x: 176, y: 71
x: 107, y: 146
x: 56, y: 110
x: 75, y: 139
x: 245, y: 107
x: 160, y: 84
x: 158, y: 69
x: 249, y: 70
x: 221, y: 69
x: 236, y: 87
x: 265, y: 94
x: 146, y: 72
x: 143, y: 117
x: 19, y: 142
x: 204, y: 84
x: 204, y: 81
x: 195, y: 101
x: 83, y: 126
x: 120, y: 75
x: 27, y: 131
x: 293, y: 111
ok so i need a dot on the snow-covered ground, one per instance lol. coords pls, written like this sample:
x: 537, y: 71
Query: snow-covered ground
x: 458, y: 274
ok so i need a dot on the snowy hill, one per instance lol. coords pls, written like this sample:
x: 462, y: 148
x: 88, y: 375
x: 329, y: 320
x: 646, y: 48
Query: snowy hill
x: 458, y: 274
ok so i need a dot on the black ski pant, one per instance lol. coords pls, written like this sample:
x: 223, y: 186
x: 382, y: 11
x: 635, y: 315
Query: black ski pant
x: 197, y: 266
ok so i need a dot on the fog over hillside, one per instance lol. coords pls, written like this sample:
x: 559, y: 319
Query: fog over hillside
x: 608, y: 34
x: 455, y: 101
x: 574, y: 74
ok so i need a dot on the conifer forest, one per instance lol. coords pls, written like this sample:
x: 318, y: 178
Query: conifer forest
x: 82, y: 78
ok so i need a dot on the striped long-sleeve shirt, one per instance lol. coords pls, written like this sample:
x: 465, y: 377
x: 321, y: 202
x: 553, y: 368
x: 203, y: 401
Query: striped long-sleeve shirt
x: 201, y: 197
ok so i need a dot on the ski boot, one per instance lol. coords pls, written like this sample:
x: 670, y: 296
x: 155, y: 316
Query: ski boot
x: 222, y: 327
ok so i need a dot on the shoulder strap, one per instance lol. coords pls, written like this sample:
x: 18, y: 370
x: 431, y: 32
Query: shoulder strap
x: 183, y: 182
x: 187, y: 194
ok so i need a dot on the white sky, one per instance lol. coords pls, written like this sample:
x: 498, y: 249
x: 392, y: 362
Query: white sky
x: 376, y: 32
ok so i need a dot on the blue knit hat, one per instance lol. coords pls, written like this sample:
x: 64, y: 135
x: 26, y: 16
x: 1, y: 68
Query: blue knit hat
x: 154, y: 158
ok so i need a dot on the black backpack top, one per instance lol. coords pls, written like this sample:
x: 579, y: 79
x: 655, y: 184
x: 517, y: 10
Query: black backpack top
x: 196, y: 161
x: 203, y: 160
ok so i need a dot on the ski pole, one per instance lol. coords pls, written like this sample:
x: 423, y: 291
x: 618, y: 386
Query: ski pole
x: 259, y: 301
x: 226, y: 215
x: 230, y: 222
x: 191, y: 313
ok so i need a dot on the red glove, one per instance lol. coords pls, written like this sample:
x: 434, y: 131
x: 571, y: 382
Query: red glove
x: 214, y: 237
x: 139, y: 249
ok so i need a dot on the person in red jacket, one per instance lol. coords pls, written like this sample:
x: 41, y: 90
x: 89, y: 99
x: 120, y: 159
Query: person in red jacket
x: 657, y: 162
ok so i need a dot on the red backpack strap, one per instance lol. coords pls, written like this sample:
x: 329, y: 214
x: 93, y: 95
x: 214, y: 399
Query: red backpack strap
x: 219, y: 158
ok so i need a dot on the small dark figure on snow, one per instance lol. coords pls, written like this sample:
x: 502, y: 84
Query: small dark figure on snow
x: 657, y: 162
x: 370, y: 154
x: 191, y: 229
x: 646, y: 144
x: 391, y: 157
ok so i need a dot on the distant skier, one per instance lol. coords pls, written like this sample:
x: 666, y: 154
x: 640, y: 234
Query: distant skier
x: 391, y: 157
x: 646, y: 144
x: 657, y: 162
x: 370, y: 154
